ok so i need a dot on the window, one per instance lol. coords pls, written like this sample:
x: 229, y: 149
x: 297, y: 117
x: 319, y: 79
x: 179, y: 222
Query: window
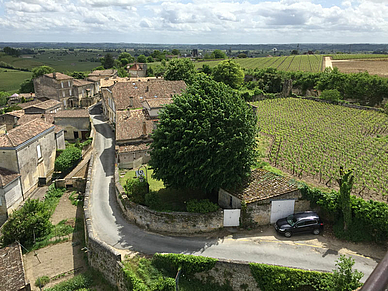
x: 39, y: 151
x: 76, y: 134
x: 61, y: 84
x: 63, y: 93
x: 70, y: 92
x: 68, y: 82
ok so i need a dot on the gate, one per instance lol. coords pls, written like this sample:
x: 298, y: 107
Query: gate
x: 281, y: 208
x: 232, y: 217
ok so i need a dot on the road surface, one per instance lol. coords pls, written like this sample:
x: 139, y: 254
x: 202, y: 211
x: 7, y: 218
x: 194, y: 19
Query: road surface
x: 306, y: 251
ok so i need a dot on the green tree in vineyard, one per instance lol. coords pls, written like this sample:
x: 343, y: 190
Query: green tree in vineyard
x: 346, y: 182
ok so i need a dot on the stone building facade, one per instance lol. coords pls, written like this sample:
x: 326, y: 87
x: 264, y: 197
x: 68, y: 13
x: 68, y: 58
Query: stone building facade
x: 75, y: 122
x: 10, y: 193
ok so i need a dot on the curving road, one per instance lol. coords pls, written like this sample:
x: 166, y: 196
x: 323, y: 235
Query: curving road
x: 307, y: 252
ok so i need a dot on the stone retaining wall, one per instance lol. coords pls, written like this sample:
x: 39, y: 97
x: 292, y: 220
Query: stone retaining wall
x: 170, y: 222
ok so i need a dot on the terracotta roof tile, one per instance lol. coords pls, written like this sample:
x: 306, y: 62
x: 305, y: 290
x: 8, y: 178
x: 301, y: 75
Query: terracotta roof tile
x: 7, y: 176
x: 158, y: 102
x: 59, y: 76
x: 12, y: 275
x: 46, y: 104
x: 47, y: 117
x: 23, y: 133
x: 130, y: 125
x: 27, y: 104
x: 122, y: 93
x: 16, y: 113
x: 78, y: 83
x: 262, y: 185
x: 134, y: 147
x: 103, y: 73
x: 71, y: 113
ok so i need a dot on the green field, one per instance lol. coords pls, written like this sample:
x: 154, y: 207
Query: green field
x: 307, y: 63
x: 312, y: 139
x: 358, y: 56
x: 10, y: 80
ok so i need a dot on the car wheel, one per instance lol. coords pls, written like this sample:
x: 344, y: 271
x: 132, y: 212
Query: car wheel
x: 287, y: 234
x: 316, y: 231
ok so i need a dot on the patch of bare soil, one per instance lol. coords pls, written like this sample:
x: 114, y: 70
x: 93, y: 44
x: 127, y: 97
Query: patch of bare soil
x: 64, y: 210
x: 373, y: 67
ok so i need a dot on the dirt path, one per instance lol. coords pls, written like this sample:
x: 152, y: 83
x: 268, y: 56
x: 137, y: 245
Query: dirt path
x: 64, y: 210
x: 328, y: 63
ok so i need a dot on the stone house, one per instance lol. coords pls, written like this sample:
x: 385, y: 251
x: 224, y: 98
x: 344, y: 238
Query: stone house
x: 83, y: 93
x: 29, y: 150
x: 10, y: 119
x: 10, y: 193
x: 133, y: 136
x: 75, y: 122
x: 56, y: 86
x: 268, y: 197
x: 12, y: 273
x: 137, y: 70
x: 154, y: 105
x: 29, y: 103
x: 49, y: 106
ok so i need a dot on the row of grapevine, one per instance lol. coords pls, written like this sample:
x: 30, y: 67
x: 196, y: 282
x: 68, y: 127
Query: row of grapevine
x: 312, y: 139
x: 358, y: 56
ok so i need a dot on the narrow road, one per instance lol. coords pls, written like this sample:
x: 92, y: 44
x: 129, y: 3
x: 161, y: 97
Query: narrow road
x: 328, y: 63
x: 307, y: 252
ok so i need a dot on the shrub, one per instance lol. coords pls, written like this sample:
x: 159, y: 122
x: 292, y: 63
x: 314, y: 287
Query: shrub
x: 201, y: 206
x: 152, y: 200
x: 188, y: 263
x: 275, y: 278
x: 27, y: 223
x: 68, y: 159
x: 344, y: 278
x: 136, y: 190
x: 76, y: 283
x: 41, y: 281
x: 331, y: 95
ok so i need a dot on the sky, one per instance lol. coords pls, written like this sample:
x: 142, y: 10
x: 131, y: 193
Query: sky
x: 194, y: 21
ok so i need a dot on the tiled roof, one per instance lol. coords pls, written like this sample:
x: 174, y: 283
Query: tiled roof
x: 78, y: 83
x: 59, y: 76
x: 12, y: 275
x: 158, y: 102
x: 133, y: 148
x: 71, y: 113
x: 263, y: 185
x: 93, y: 78
x: 122, y: 93
x: 28, y: 104
x: 7, y: 176
x: 111, y: 81
x: 163, y: 88
x: 47, y: 117
x: 23, y: 133
x: 130, y: 124
x: 16, y: 113
x: 103, y: 73
x: 46, y: 104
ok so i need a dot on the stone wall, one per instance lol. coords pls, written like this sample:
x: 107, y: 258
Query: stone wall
x: 170, y: 222
x: 237, y: 274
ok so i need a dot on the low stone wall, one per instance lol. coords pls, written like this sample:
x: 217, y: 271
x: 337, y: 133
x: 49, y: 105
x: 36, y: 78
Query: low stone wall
x: 100, y: 255
x: 237, y: 274
x: 170, y: 222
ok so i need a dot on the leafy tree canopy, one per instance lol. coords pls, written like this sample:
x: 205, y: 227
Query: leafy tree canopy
x: 180, y: 69
x: 141, y: 59
x: 150, y: 59
x: 218, y: 54
x: 126, y: 58
x: 107, y: 61
x: 344, y: 277
x: 3, y: 98
x: 229, y: 72
x: 27, y: 86
x: 175, y: 52
x: 40, y: 71
x: 78, y: 75
x: 205, y: 139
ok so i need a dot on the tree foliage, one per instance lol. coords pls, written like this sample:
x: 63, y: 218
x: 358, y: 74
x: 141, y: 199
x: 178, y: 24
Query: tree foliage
x: 175, y: 52
x: 344, y: 278
x: 11, y: 51
x: 345, y: 183
x: 40, y: 71
x: 136, y: 190
x: 107, y: 62
x: 78, y: 75
x: 229, y: 72
x: 29, y: 222
x: 218, y: 54
x: 180, y: 69
x: 3, y: 98
x: 68, y: 159
x: 126, y: 58
x: 205, y: 139
x: 331, y: 95
x: 141, y: 59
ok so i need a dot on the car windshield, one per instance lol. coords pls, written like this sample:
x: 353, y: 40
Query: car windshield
x: 291, y: 219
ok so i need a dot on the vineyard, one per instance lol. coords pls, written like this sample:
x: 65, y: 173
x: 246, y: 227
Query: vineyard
x: 306, y: 63
x: 358, y: 56
x: 312, y: 140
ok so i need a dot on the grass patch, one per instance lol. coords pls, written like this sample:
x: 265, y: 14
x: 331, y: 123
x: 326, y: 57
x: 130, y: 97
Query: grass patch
x: 155, y: 185
x: 10, y: 80
x: 76, y: 283
x: 76, y: 198
x: 41, y: 281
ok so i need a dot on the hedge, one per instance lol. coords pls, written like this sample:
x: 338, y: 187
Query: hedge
x: 68, y: 159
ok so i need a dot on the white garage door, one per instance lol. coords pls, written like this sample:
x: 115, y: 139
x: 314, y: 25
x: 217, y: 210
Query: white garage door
x: 231, y: 217
x: 281, y: 208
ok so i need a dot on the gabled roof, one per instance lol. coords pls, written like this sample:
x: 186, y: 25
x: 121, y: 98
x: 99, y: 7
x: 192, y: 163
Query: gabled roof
x: 58, y: 76
x: 263, y: 185
x: 103, y: 73
x: 158, y: 102
x: 72, y: 113
x: 12, y: 277
x: 23, y: 133
x: 131, y: 124
x: 28, y: 104
x: 15, y: 113
x: 126, y: 95
x: 45, y: 104
x: 7, y: 176
x: 164, y: 88
x: 78, y: 83
x: 47, y: 117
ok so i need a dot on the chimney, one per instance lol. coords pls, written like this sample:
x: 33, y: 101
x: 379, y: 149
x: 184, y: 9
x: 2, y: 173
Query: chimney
x: 55, y: 75
x: 131, y: 101
x: 144, y: 128
x: 43, y: 117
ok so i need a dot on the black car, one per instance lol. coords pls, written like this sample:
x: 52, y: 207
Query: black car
x: 300, y: 222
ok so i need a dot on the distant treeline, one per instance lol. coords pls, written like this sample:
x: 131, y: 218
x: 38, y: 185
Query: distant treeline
x: 17, y: 52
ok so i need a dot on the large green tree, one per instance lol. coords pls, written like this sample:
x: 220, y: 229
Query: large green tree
x: 345, y: 183
x: 229, y: 72
x: 180, y: 69
x: 205, y: 139
x: 108, y: 62
x: 42, y: 70
x: 218, y: 54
